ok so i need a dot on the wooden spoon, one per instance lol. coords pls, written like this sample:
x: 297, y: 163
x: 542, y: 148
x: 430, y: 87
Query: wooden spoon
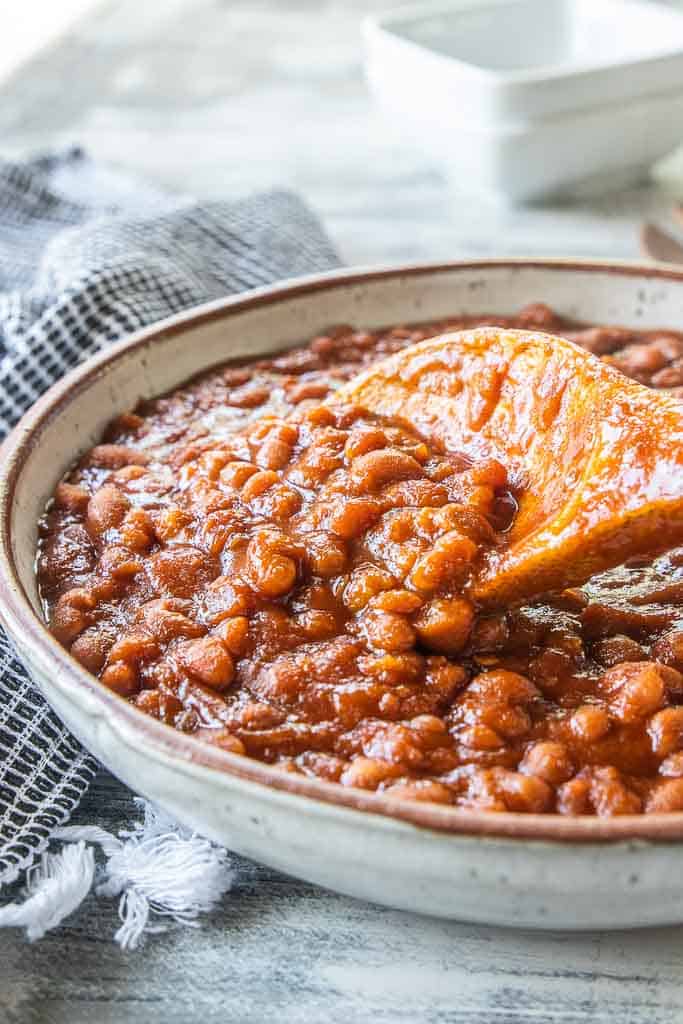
x: 659, y: 245
x: 596, y: 461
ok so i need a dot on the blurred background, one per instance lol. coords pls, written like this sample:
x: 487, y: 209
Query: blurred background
x: 224, y: 97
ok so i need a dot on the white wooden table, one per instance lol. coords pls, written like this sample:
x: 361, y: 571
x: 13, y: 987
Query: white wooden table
x: 220, y: 97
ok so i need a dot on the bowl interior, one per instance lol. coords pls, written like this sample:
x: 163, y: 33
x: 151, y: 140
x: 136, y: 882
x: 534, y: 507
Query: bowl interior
x: 74, y: 414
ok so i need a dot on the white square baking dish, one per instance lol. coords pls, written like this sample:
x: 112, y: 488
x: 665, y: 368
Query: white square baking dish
x: 488, y: 87
x: 519, y: 59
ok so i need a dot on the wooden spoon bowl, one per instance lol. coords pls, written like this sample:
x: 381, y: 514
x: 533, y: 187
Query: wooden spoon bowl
x: 595, y: 460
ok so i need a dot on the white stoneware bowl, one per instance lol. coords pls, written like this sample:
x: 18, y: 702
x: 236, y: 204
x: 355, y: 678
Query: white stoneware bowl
x: 531, y: 870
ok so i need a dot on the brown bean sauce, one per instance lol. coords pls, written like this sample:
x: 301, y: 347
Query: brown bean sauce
x: 288, y: 581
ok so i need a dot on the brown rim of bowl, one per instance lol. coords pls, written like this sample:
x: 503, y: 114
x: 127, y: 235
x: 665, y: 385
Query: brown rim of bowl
x: 23, y: 623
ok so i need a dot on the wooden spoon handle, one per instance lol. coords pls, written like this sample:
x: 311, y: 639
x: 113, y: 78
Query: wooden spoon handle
x: 659, y: 245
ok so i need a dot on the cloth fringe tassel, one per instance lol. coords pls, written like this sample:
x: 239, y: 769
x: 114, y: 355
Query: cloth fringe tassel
x: 157, y: 870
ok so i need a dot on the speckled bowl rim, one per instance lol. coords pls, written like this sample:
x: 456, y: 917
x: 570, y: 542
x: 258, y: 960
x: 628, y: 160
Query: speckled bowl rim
x: 26, y: 627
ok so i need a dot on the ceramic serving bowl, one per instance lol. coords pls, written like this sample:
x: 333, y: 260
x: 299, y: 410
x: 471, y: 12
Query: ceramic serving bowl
x: 531, y: 870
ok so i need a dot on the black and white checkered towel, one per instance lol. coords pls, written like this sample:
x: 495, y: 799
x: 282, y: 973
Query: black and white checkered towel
x: 87, y: 255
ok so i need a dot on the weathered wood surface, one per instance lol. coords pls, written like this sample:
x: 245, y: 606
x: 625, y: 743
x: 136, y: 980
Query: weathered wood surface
x: 219, y: 97
x: 282, y: 948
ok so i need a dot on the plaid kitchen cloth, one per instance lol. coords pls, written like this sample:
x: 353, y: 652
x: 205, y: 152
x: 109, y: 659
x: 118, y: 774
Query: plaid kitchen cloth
x: 87, y: 255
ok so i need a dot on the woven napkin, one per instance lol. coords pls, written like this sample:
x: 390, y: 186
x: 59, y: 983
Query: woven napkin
x: 87, y: 255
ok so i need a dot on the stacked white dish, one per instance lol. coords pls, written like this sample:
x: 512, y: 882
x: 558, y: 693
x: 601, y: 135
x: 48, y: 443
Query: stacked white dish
x: 528, y: 98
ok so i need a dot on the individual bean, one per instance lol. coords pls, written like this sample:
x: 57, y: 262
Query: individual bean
x: 609, y: 793
x: 573, y: 798
x: 524, y: 793
x: 225, y: 597
x: 612, y: 650
x: 364, y: 440
x: 128, y: 474
x: 137, y: 530
x: 672, y: 765
x: 446, y: 561
x: 549, y: 761
x: 115, y: 456
x: 134, y: 647
x: 258, y: 483
x: 665, y: 730
x: 503, y: 686
x: 236, y: 473
x: 279, y: 503
x: 373, y: 470
x: 431, y: 730
x: 168, y: 523
x: 120, y: 677
x: 669, y: 376
x: 481, y: 737
x: 444, y: 624
x: 71, y: 614
x: 668, y: 648
x: 665, y: 797
x: 222, y: 738
x: 72, y: 498
x: 635, y: 690
x: 208, y: 660
x: 119, y: 563
x: 327, y: 554
x: 365, y: 583
x: 507, y: 718
x: 277, y: 446
x: 641, y: 359
x: 590, y: 723
x: 388, y: 631
x: 234, y: 632
x: 368, y: 773
x: 106, y: 510
x: 165, y: 622
x: 537, y: 316
x: 271, y: 571
x: 392, y: 669
x: 421, y: 791
x: 400, y: 601
x: 248, y: 396
x: 351, y: 517
x: 149, y: 701
x: 90, y: 649
x: 306, y: 390
x: 180, y: 570
x: 602, y: 340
